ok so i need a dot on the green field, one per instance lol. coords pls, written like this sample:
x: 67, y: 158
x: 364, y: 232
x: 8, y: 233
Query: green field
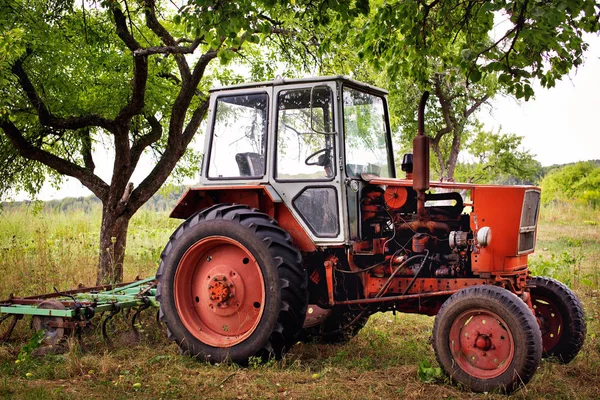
x: 43, y: 250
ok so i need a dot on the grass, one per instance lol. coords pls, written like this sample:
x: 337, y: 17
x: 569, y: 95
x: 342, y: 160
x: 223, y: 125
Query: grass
x: 40, y: 251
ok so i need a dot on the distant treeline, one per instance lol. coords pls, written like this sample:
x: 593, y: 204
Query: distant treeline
x: 574, y: 182
x: 162, y: 201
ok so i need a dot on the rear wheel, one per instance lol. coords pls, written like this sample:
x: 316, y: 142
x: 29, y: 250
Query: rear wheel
x: 561, y: 318
x: 231, y: 286
x: 486, y: 338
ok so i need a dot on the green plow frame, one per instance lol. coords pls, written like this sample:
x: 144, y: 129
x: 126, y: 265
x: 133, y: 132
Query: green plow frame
x: 75, y: 308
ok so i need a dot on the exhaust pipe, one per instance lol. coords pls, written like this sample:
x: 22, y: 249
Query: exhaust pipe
x: 421, y: 160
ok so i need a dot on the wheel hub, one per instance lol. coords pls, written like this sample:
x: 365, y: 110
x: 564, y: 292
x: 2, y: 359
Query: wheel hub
x: 481, y: 344
x: 550, y: 321
x: 220, y: 291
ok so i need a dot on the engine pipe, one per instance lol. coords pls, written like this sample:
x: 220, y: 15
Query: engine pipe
x: 421, y: 160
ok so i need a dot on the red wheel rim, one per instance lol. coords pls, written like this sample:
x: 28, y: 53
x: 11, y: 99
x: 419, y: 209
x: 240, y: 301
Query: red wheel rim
x: 481, y: 344
x: 550, y: 320
x: 219, y: 291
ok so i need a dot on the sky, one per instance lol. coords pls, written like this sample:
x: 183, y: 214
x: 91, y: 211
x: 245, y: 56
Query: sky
x: 559, y: 125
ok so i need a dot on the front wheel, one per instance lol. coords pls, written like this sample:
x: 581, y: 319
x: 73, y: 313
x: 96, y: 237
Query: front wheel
x: 231, y: 286
x: 487, y: 339
x: 561, y: 318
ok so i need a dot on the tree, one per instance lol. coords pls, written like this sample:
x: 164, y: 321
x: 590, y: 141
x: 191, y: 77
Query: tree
x: 448, y: 47
x: 498, y: 158
x: 579, y: 182
x: 119, y: 72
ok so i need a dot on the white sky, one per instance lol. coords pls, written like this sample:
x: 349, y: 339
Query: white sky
x: 560, y: 125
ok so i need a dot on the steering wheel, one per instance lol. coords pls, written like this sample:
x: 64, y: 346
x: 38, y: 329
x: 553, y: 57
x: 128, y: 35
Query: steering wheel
x: 323, y: 159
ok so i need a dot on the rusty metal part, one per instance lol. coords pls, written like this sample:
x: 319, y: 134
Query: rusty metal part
x: 395, y: 196
x: 481, y: 344
x: 220, y: 290
x: 431, y: 226
x: 421, y: 154
x: 550, y: 320
x: 6, y: 335
x: 53, y: 333
x: 422, y: 285
x: 315, y: 315
x: 208, y: 274
x: 398, y: 298
x: 419, y: 243
x: 329, y: 264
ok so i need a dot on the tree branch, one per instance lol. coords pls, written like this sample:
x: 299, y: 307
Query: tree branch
x: 476, y: 105
x: 140, y: 144
x: 168, y: 49
x: 27, y: 150
x: 86, y: 150
x: 47, y: 118
x: 160, y: 31
x: 140, y: 70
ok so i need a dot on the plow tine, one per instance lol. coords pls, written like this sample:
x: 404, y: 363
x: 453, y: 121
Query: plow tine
x: 137, y: 312
x: 11, y: 327
x: 116, y: 309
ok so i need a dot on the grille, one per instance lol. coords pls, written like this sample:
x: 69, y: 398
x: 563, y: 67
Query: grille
x: 529, y: 214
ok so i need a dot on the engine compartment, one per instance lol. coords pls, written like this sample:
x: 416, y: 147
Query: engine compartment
x: 392, y: 230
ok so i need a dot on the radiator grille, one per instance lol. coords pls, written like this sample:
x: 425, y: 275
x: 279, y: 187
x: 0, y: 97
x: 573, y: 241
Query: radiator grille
x: 529, y: 215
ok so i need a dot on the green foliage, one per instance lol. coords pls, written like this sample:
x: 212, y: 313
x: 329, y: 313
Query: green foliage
x: 579, y: 182
x: 537, y: 40
x: 498, y: 159
x: 27, y: 349
x: 428, y: 374
x: 563, y: 267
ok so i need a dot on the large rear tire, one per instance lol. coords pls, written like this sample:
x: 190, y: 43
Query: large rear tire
x: 487, y: 339
x: 231, y: 286
x: 561, y: 318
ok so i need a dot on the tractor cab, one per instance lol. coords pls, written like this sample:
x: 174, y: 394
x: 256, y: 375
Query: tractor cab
x: 304, y: 140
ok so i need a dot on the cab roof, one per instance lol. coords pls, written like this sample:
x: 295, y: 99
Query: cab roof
x: 285, y: 81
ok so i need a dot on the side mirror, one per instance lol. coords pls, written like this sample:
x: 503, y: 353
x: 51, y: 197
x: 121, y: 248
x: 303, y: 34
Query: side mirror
x: 321, y: 110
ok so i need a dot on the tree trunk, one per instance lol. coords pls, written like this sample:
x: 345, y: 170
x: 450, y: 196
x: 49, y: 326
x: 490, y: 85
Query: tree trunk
x: 113, y: 240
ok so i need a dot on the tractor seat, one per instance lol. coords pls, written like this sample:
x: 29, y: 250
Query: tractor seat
x: 250, y: 164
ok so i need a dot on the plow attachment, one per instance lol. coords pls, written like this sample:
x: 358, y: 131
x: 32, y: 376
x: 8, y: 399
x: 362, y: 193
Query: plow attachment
x: 73, y: 310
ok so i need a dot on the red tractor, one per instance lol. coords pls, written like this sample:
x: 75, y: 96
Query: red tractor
x: 300, y: 230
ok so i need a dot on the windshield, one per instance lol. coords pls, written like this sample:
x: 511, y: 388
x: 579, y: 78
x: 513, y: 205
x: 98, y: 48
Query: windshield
x: 365, y: 134
x: 239, y: 136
